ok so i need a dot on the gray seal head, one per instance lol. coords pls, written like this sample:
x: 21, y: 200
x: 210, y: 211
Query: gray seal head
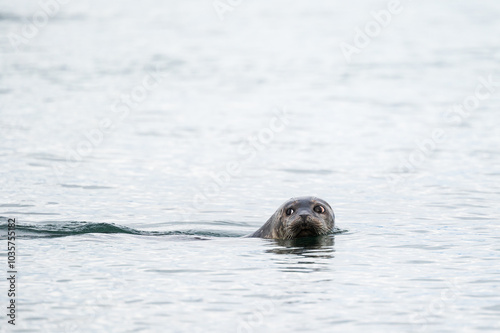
x: 299, y: 217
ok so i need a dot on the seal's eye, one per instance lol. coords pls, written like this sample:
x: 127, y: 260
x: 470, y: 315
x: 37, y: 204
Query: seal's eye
x: 319, y: 209
x: 289, y: 211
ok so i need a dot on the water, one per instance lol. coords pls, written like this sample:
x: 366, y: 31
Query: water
x: 139, y: 142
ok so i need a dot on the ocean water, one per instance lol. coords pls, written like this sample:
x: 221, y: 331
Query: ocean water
x: 139, y: 141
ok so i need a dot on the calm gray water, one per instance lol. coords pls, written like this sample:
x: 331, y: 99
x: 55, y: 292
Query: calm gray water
x: 140, y: 140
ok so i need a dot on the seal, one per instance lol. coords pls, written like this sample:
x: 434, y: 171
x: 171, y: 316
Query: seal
x: 299, y: 217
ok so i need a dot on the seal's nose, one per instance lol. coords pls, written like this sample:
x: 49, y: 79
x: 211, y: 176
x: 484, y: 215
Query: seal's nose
x: 304, y: 216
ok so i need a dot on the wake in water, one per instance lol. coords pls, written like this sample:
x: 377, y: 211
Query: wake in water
x: 71, y: 228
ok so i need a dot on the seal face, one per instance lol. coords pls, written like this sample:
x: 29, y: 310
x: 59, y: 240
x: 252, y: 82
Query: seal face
x: 299, y: 217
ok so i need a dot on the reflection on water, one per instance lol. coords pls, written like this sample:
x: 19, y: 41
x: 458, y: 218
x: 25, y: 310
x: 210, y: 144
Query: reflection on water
x: 303, y: 255
x: 309, y: 247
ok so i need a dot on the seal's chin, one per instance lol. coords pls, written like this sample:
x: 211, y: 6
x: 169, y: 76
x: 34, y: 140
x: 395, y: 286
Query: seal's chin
x: 304, y: 229
x: 306, y: 232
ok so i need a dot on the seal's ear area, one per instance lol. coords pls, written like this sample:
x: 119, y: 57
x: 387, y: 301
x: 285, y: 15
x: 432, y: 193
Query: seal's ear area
x: 279, y: 217
x: 327, y: 205
x: 280, y: 224
x: 272, y: 218
x: 331, y: 210
x: 282, y: 216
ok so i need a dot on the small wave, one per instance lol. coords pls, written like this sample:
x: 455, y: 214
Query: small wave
x: 71, y: 228
x: 336, y: 231
x: 309, y: 171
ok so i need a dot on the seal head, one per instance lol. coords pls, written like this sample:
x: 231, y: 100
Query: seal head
x: 299, y: 217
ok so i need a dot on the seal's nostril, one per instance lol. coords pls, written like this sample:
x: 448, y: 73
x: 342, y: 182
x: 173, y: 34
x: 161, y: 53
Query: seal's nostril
x: 304, y: 216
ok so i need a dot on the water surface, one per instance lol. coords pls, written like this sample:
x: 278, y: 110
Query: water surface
x: 139, y: 142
